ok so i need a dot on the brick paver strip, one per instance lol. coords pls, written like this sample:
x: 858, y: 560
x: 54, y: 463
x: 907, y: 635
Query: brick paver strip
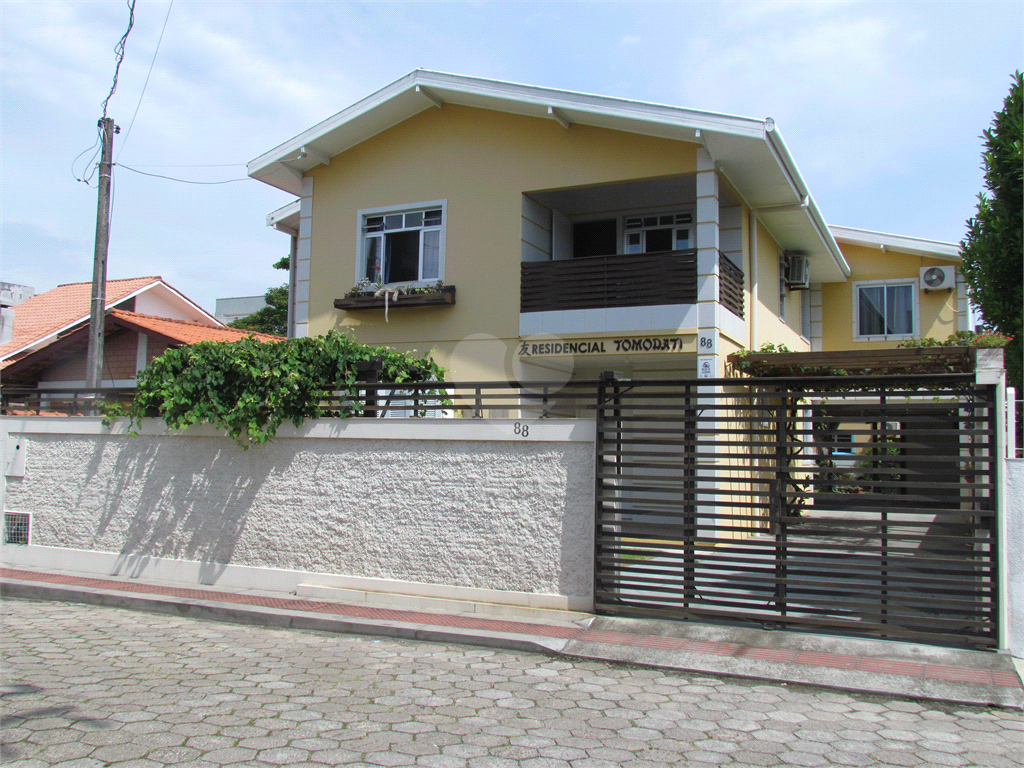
x: 814, y: 659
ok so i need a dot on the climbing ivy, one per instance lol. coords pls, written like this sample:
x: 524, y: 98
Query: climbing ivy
x: 249, y: 388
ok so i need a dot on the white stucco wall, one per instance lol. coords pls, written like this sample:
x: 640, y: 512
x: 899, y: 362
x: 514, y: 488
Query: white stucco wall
x: 1013, y: 548
x: 444, y: 502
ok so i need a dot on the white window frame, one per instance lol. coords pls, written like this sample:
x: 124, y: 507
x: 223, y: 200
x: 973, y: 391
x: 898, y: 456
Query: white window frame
x: 624, y: 233
x: 361, y: 239
x: 916, y: 319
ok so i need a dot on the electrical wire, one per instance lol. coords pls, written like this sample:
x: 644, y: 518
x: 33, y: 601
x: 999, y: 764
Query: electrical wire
x: 183, y: 181
x: 94, y: 145
x: 110, y: 204
x: 145, y: 84
x: 93, y: 167
x: 119, y: 53
x: 208, y: 165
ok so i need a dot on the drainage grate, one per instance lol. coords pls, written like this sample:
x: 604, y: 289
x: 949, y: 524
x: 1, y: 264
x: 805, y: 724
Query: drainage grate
x: 16, y: 527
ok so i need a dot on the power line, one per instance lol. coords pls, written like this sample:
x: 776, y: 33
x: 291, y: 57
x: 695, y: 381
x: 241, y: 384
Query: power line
x: 119, y: 53
x: 91, y: 159
x: 183, y: 181
x: 208, y: 165
x: 145, y: 84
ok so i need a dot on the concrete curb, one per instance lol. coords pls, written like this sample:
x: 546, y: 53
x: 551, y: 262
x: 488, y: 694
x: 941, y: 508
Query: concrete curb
x: 781, y: 672
x: 676, y: 660
x: 275, y: 618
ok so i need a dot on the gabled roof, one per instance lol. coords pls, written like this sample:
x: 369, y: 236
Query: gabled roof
x: 184, y: 332
x: 41, y: 319
x: 748, y: 151
x: 918, y: 246
x: 176, y: 332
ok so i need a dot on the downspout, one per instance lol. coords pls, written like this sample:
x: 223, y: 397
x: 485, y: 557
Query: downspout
x: 753, y: 280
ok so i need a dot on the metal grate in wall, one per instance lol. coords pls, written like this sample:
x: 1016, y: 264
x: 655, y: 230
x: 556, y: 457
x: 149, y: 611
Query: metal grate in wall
x: 16, y: 527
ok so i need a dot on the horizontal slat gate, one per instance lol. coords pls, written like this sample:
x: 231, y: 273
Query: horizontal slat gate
x: 859, y: 505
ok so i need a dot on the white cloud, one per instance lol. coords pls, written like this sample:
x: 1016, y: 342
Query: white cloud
x: 881, y: 104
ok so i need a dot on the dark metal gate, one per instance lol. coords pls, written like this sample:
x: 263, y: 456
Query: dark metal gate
x: 856, y: 505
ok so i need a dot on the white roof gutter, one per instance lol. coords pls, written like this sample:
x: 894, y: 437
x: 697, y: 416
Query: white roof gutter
x: 806, y: 200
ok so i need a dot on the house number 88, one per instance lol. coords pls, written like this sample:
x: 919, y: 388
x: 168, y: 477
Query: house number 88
x: 523, y: 430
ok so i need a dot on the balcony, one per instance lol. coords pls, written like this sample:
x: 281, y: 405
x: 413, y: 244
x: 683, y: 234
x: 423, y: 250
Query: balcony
x: 623, y: 280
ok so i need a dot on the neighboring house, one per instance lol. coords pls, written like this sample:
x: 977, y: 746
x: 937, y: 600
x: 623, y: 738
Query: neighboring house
x: 899, y: 288
x: 577, y: 233
x: 11, y: 294
x: 131, y: 341
x: 47, y: 317
x: 237, y: 307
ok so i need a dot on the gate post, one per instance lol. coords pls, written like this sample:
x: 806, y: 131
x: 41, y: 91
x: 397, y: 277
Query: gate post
x: 989, y: 370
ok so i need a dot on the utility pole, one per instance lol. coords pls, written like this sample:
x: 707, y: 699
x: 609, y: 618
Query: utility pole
x: 94, y: 361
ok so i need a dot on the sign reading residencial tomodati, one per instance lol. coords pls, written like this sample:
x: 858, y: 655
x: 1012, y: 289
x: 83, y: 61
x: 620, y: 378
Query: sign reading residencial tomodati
x: 642, y: 344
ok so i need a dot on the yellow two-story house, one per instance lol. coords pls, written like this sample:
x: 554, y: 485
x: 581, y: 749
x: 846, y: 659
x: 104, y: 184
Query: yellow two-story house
x: 523, y: 232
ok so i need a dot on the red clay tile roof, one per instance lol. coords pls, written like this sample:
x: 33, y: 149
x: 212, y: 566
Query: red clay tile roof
x: 64, y: 305
x: 185, y: 332
x: 178, y: 333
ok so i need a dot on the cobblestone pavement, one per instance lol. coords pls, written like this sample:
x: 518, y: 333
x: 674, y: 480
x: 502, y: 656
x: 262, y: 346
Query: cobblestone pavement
x: 92, y: 686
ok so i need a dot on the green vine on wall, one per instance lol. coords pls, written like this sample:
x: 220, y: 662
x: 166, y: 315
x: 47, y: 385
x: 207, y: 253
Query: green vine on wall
x: 249, y: 388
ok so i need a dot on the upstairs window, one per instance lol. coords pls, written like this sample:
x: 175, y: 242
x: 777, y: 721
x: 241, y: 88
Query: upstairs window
x: 403, y: 244
x: 885, y: 310
x: 657, y: 233
x: 594, y: 238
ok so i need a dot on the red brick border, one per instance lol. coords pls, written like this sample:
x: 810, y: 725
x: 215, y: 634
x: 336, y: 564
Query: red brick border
x: 1000, y: 679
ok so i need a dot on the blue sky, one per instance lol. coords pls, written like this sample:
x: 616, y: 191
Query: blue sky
x: 881, y: 104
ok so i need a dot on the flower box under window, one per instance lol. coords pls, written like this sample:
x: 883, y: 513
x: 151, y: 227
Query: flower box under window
x: 368, y: 301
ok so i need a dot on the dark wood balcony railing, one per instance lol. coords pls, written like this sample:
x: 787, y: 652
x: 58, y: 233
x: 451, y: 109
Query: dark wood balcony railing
x: 730, y: 285
x: 623, y: 280
x: 600, y: 282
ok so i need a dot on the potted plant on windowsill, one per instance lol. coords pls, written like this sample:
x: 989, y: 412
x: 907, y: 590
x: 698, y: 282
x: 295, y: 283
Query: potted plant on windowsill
x: 367, y: 295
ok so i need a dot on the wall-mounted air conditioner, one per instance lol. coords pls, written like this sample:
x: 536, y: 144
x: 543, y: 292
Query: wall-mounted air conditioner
x: 799, y: 277
x: 938, y: 278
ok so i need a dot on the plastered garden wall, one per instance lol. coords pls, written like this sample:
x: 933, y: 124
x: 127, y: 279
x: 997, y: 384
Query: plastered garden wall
x: 466, y: 504
x: 1014, y: 549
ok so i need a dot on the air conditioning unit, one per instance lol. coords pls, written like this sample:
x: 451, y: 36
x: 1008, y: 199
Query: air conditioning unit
x: 799, y: 277
x: 937, y: 278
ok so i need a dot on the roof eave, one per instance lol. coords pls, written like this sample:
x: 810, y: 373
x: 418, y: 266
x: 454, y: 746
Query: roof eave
x: 286, y: 218
x: 918, y: 246
x: 817, y: 221
x: 282, y: 167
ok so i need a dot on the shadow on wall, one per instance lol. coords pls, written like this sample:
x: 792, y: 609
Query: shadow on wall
x: 175, y: 499
x: 576, y: 564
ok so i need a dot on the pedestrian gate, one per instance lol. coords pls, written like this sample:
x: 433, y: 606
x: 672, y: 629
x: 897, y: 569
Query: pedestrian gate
x: 856, y: 505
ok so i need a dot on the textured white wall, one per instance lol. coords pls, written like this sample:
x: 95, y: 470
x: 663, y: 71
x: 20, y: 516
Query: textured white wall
x: 497, y: 514
x: 1013, y: 551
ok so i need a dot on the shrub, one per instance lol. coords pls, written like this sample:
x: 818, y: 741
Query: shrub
x: 249, y: 388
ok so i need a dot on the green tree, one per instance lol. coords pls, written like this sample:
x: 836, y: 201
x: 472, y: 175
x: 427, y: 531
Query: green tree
x: 272, y: 318
x: 993, y: 250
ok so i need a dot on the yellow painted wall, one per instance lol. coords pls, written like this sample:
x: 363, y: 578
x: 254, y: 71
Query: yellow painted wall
x: 770, y: 327
x: 938, y: 311
x: 481, y: 161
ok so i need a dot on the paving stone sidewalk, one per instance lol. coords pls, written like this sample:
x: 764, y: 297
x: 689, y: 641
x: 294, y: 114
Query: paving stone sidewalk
x: 87, y: 685
x: 873, y: 666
